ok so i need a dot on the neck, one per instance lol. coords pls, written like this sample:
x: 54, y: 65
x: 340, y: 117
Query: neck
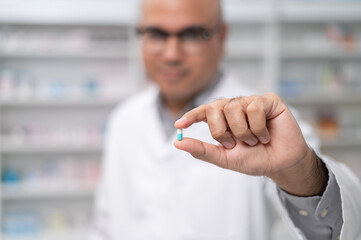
x: 176, y: 108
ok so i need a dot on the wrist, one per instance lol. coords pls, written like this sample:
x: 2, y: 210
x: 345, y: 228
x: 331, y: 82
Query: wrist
x: 307, y: 178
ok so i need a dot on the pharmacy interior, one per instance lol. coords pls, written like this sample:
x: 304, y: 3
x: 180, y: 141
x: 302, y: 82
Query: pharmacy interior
x: 65, y: 65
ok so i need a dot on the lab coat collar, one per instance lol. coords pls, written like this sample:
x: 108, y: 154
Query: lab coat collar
x: 227, y: 87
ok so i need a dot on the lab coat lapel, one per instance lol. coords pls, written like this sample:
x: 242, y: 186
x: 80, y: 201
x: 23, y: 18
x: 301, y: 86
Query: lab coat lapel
x: 154, y: 132
x: 159, y: 145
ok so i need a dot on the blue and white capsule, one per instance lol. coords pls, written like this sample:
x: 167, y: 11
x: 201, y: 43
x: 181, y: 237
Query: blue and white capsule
x: 179, y: 134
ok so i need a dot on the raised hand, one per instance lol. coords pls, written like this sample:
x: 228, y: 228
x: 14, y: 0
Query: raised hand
x: 258, y: 135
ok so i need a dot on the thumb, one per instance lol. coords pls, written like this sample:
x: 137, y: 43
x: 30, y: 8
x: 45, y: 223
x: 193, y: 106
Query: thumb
x: 203, y: 151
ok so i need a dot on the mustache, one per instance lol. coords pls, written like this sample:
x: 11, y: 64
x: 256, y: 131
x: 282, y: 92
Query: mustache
x: 177, y: 68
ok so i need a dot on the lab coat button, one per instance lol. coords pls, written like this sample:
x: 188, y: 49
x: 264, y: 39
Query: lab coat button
x: 324, y: 213
x: 303, y: 213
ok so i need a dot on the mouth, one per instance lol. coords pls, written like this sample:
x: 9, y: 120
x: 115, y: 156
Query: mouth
x: 173, y: 76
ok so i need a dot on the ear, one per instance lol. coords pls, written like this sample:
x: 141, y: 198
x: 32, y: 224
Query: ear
x: 223, y: 34
x: 139, y: 26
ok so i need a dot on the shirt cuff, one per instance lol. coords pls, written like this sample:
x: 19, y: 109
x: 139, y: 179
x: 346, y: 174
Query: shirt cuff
x: 316, y: 216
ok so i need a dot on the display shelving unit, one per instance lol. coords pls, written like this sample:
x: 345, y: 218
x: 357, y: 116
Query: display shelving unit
x: 310, y: 53
x: 87, y: 19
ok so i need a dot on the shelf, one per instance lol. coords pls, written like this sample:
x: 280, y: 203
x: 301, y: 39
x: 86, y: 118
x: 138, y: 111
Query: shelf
x: 349, y: 143
x: 59, y: 235
x: 47, y: 237
x: 49, y: 193
x: 308, y: 54
x: 91, y: 12
x: 61, y: 103
x: 331, y: 100
x: 50, y: 150
x: 320, y: 11
x: 96, y: 12
x: 243, y: 12
x: 234, y: 54
x: 292, y: 11
x: 62, y: 55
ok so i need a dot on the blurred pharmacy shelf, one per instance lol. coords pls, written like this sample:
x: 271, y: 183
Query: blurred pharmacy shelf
x: 326, y: 55
x: 125, y: 12
x: 245, y: 12
x: 70, y: 235
x: 235, y: 53
x: 319, y: 11
x: 12, y: 150
x: 61, y: 103
x: 62, y: 55
x: 319, y: 58
x: 63, y: 67
x: 341, y: 144
x: 319, y: 99
x: 96, y: 12
x: 46, y: 193
x: 92, y: 12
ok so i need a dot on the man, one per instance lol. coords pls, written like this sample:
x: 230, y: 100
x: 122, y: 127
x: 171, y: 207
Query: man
x: 151, y: 190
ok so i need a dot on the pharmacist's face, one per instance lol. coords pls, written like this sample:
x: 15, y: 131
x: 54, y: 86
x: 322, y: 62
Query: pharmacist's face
x: 182, y: 45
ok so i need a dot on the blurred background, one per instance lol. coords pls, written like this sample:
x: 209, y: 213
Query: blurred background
x: 65, y: 64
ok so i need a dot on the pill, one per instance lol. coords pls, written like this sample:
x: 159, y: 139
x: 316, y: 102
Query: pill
x: 179, y: 134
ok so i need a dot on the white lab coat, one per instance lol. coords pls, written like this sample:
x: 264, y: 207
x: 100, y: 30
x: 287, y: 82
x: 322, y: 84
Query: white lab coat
x: 150, y: 190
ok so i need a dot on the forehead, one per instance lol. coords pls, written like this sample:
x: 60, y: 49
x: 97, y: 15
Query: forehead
x: 176, y: 14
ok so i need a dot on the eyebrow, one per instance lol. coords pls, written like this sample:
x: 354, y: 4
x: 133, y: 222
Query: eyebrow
x: 152, y: 28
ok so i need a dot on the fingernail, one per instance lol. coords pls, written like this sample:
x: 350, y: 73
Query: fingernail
x: 228, y: 145
x: 263, y: 140
x: 251, y: 142
x: 181, y: 120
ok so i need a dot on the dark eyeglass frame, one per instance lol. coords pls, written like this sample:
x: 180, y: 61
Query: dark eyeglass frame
x: 201, y: 31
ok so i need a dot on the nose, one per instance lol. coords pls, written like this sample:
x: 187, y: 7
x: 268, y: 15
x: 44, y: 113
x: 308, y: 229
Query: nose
x: 172, y: 49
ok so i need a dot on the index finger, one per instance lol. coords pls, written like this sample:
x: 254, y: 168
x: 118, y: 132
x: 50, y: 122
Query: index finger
x: 195, y: 115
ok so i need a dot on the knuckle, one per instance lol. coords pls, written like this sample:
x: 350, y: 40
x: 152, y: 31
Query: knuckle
x: 227, y: 109
x: 220, y: 101
x: 257, y: 130
x: 245, y: 101
x: 259, y: 99
x: 242, y: 100
x: 242, y: 133
x: 218, y: 134
x: 195, y: 111
x: 203, y: 106
x: 230, y: 107
x: 211, y: 106
x: 272, y: 95
x: 253, y: 108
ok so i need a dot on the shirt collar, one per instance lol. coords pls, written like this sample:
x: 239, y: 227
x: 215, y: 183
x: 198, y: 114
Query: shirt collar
x: 168, y: 120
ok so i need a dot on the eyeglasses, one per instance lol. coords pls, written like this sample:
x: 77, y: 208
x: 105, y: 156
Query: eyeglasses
x: 192, y: 40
